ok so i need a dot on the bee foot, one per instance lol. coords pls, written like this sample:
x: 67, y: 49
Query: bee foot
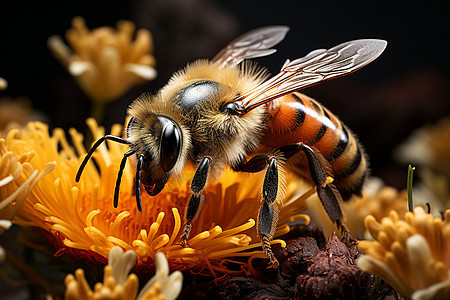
x: 183, y: 242
x: 347, y: 238
x: 273, y: 263
x: 185, y: 235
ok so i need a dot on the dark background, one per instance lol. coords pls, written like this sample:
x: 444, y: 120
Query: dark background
x: 408, y: 86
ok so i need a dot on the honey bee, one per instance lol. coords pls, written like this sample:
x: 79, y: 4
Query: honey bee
x: 229, y: 112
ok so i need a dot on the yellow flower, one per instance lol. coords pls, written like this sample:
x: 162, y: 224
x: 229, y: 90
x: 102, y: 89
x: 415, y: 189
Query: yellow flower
x: 412, y: 255
x: 377, y: 200
x: 106, y: 62
x: 83, y: 222
x: 378, y: 203
x: 428, y: 148
x: 17, y: 178
x: 162, y: 284
x: 117, y: 284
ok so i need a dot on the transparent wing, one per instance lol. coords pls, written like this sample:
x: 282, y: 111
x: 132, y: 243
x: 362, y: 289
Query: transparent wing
x: 319, y: 65
x: 255, y: 43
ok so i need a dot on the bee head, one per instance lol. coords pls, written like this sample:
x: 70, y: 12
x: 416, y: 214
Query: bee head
x: 160, y: 140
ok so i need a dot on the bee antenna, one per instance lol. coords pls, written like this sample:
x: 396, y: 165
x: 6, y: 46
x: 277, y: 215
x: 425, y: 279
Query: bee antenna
x: 138, y: 182
x: 93, y: 148
x: 119, y: 176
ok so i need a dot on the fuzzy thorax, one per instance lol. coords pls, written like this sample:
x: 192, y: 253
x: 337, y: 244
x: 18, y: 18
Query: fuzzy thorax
x: 193, y: 98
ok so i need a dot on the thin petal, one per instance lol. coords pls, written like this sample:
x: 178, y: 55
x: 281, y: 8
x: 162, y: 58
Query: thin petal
x: 78, y: 68
x: 121, y: 263
x: 145, y: 72
x: 60, y: 50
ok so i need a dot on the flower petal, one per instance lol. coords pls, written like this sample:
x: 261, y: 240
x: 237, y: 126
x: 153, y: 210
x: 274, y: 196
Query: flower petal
x: 121, y: 263
x: 78, y: 68
x: 145, y: 72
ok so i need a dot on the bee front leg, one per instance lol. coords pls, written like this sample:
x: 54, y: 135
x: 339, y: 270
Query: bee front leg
x: 268, y: 213
x: 196, y: 201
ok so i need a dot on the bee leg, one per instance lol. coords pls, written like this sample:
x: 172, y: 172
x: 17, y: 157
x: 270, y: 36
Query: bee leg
x: 267, y: 220
x: 196, y: 201
x: 327, y: 192
x: 268, y: 213
x: 119, y: 176
x: 93, y: 148
x: 255, y: 164
x: 137, y: 183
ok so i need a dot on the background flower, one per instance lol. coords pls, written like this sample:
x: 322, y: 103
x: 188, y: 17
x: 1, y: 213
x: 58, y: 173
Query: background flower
x: 106, y: 62
x: 162, y: 284
x: 17, y: 178
x: 377, y: 200
x: 411, y: 254
x: 119, y: 284
x: 428, y: 146
x: 429, y: 150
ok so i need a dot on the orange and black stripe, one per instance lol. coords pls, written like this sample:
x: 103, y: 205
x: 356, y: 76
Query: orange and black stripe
x: 298, y: 118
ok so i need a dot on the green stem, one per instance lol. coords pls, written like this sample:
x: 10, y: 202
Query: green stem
x: 373, y: 287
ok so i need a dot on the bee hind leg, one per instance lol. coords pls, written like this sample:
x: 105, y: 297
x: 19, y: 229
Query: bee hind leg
x: 196, y: 201
x: 327, y: 192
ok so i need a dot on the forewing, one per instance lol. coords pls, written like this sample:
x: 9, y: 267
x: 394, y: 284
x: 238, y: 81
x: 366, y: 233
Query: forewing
x: 319, y: 65
x: 255, y: 43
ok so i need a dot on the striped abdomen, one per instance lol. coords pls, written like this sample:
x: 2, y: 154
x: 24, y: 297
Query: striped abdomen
x: 299, y: 118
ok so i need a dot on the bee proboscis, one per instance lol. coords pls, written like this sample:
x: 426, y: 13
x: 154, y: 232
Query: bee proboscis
x: 226, y: 111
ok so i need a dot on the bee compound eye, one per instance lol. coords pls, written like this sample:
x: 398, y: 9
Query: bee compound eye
x: 170, y: 145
